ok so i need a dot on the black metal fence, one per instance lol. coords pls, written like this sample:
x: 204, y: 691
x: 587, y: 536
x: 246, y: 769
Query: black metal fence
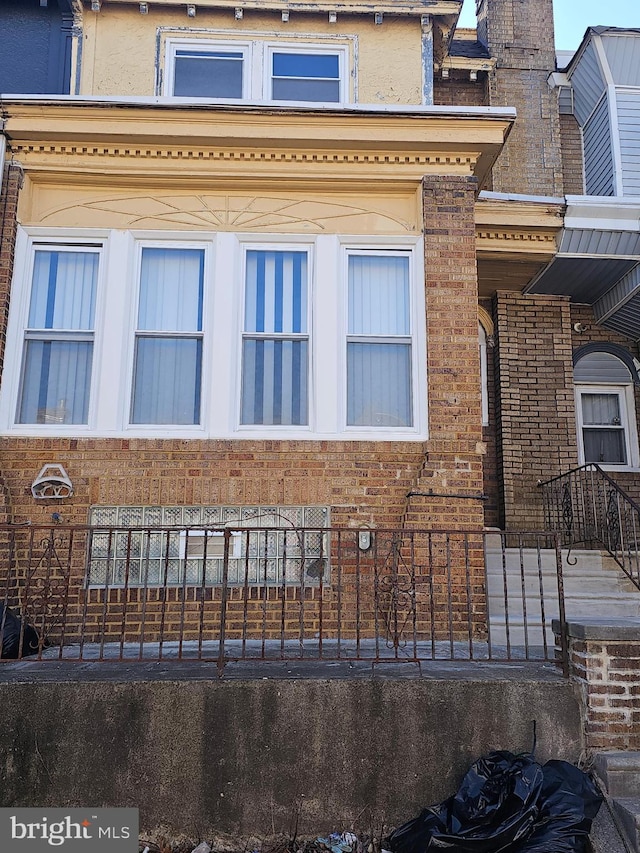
x: 586, y: 507
x: 266, y: 593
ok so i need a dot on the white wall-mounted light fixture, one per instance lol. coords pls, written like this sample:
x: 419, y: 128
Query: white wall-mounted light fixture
x: 144, y: 8
x: 378, y: 17
x: 333, y: 17
x: 191, y: 10
x: 95, y: 5
x: 473, y: 76
x: 238, y: 13
x: 285, y: 16
x: 365, y: 539
x: 52, y: 483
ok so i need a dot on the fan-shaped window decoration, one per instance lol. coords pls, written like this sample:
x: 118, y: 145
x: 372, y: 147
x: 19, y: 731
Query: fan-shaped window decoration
x: 605, y: 413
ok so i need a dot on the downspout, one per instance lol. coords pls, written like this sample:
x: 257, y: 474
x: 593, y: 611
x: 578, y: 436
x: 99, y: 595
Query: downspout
x: 3, y: 149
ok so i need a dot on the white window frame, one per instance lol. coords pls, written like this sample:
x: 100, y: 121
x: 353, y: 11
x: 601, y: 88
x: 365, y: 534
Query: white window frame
x: 140, y: 243
x: 417, y: 343
x: 302, y: 246
x: 17, y: 330
x: 627, y: 417
x: 173, y: 45
x: 306, y: 49
x: 257, y: 63
x: 222, y: 329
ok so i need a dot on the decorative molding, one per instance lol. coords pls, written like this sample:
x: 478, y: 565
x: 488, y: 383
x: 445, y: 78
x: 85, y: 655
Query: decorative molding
x: 215, y: 212
x: 199, y: 154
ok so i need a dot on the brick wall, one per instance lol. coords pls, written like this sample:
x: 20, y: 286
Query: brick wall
x: 363, y: 482
x: 453, y: 455
x: 604, y: 662
x: 519, y: 34
x: 12, y: 181
x: 459, y: 91
x: 535, y: 400
x: 572, y: 155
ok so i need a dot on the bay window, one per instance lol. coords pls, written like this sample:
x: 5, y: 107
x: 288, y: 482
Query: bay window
x: 119, y: 333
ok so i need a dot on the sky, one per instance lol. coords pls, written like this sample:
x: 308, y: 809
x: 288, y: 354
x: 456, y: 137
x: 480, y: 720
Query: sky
x: 572, y: 17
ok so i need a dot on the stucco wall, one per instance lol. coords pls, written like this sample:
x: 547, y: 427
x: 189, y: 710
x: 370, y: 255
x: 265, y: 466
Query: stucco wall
x: 248, y: 756
x: 123, y: 49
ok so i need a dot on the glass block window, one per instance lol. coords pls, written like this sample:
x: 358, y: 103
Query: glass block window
x: 185, y: 546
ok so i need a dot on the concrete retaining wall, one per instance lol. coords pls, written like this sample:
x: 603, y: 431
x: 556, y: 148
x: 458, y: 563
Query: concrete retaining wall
x: 246, y: 757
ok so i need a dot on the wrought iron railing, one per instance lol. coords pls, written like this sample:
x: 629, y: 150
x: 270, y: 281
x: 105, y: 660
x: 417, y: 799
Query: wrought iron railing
x: 587, y: 507
x: 258, y: 593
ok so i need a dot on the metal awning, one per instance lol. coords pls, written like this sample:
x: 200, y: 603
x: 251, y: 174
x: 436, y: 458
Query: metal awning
x: 598, y: 261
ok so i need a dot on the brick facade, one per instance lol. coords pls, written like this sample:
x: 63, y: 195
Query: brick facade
x: 11, y: 185
x: 572, y: 155
x: 604, y: 663
x: 535, y: 400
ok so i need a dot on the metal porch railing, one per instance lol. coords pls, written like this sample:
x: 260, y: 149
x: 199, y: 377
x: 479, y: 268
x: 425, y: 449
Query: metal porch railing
x: 586, y: 507
x: 272, y: 594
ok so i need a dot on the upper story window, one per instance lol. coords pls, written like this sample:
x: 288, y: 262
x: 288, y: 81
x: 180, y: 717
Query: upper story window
x: 257, y: 70
x: 605, y: 411
x: 216, y: 336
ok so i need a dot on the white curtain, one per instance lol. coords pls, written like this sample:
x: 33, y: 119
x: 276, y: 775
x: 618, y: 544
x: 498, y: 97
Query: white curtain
x: 275, y: 346
x: 379, y: 345
x: 603, y: 432
x: 168, y: 357
x: 58, y: 350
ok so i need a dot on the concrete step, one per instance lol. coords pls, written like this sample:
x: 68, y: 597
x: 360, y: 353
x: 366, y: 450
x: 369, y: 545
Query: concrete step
x: 619, y: 771
x: 595, y: 581
x: 627, y: 811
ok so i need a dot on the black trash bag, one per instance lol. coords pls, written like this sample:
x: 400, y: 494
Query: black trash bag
x: 11, y: 627
x: 569, y: 801
x: 507, y: 804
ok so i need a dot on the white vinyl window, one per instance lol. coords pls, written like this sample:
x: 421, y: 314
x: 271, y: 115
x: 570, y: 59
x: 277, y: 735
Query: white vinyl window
x: 606, y: 423
x: 168, y: 342
x: 144, y: 334
x: 214, y: 71
x: 256, y: 70
x: 298, y: 75
x: 379, y: 345
x: 275, y: 346
x: 57, y: 358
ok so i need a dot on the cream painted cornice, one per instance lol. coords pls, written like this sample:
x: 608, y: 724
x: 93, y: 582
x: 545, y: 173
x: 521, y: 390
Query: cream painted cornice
x: 352, y: 7
x: 183, y: 142
x: 525, y: 229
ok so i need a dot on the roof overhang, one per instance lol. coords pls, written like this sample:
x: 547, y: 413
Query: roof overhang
x: 516, y: 238
x: 597, y: 260
x: 187, y: 142
x: 441, y: 15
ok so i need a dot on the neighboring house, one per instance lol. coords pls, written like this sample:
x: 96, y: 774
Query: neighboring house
x: 302, y: 261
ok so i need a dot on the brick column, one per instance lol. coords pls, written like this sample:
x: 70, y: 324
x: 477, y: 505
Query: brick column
x: 604, y: 663
x: 11, y: 184
x: 453, y: 454
x: 535, y: 401
x: 447, y: 493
